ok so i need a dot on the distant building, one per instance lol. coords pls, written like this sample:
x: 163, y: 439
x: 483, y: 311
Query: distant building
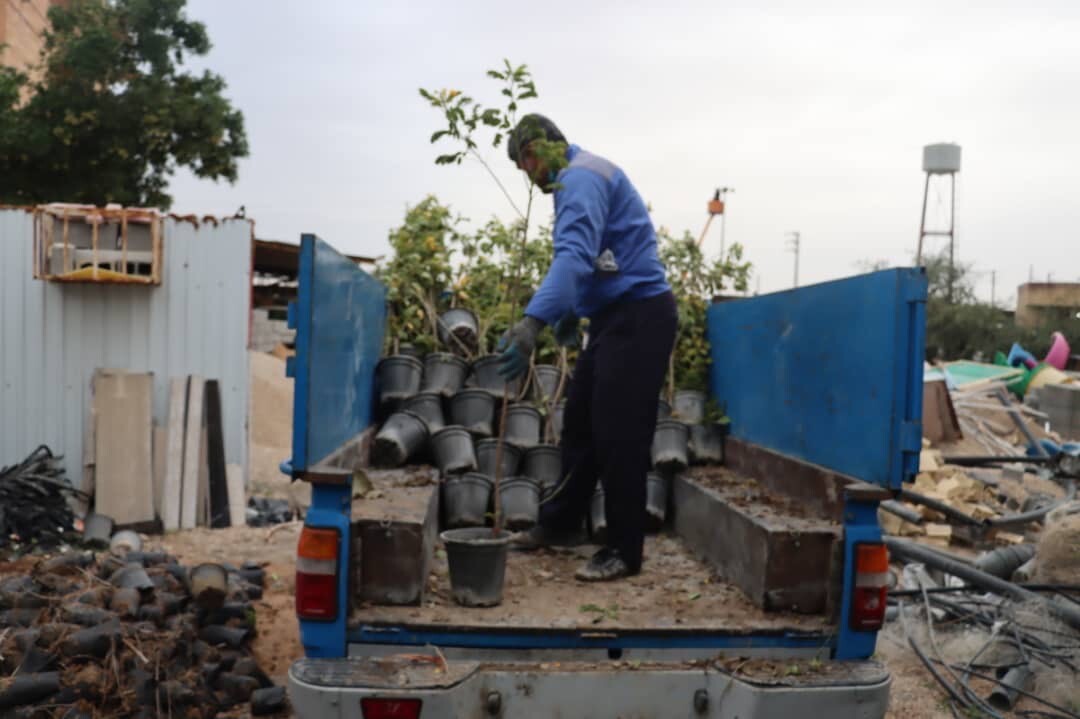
x: 21, y: 25
x: 1047, y: 303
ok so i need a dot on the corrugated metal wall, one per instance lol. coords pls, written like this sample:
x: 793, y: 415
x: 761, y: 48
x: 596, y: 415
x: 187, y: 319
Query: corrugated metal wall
x: 53, y: 335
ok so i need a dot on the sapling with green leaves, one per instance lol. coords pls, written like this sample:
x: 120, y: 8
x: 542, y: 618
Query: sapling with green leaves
x: 695, y: 280
x: 465, y: 121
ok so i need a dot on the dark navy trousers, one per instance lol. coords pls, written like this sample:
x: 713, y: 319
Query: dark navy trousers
x: 609, y: 420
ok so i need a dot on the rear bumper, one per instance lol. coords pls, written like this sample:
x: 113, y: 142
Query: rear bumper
x: 326, y: 689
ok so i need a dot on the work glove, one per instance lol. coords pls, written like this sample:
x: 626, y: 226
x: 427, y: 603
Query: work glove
x: 517, y: 346
x: 566, y: 330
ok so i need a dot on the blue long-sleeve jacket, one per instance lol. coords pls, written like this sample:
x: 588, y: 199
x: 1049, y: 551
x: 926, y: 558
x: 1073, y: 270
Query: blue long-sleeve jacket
x: 597, y: 210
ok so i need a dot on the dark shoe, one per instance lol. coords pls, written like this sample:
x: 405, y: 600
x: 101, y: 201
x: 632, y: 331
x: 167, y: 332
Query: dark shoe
x: 605, y: 566
x: 542, y: 537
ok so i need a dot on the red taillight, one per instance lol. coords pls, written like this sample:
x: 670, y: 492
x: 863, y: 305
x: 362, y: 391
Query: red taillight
x: 871, y: 587
x: 317, y: 574
x: 373, y: 708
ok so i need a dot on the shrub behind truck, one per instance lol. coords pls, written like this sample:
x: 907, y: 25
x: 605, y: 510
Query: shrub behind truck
x: 762, y: 598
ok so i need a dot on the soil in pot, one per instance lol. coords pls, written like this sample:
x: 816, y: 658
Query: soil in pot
x: 669, y: 446
x: 597, y: 518
x: 458, y: 331
x: 545, y: 382
x: 656, y: 499
x: 519, y: 502
x: 706, y: 443
x: 477, y: 562
x: 466, y: 498
x: 443, y: 373
x: 523, y: 425
x: 403, y: 435
x: 398, y: 377
x: 689, y: 406
x: 485, y: 375
x: 474, y: 409
x: 544, y: 464
x: 453, y: 449
x: 485, y: 458
x: 428, y: 406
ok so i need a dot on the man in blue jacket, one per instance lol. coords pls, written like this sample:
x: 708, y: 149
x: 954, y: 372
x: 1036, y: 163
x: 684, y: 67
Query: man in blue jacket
x: 605, y: 268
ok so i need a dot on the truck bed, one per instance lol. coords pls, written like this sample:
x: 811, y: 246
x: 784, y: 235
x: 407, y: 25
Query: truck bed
x: 675, y: 589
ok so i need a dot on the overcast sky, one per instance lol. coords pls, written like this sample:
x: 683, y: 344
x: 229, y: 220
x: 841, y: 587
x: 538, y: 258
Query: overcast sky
x: 816, y: 113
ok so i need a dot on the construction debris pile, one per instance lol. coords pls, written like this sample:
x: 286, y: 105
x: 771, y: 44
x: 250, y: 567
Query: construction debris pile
x: 986, y: 547
x: 34, y: 507
x: 133, y: 634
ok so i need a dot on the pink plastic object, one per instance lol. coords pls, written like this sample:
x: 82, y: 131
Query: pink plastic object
x: 1058, y: 356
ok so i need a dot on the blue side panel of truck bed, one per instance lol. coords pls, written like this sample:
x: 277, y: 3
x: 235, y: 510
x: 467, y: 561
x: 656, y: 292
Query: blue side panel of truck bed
x: 340, y: 318
x: 828, y: 373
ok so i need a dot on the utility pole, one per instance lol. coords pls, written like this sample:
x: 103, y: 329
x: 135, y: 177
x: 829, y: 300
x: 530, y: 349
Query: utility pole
x: 794, y: 241
x: 993, y: 288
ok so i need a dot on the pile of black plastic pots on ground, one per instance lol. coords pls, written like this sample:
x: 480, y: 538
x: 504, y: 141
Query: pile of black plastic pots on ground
x: 445, y: 410
x: 133, y: 634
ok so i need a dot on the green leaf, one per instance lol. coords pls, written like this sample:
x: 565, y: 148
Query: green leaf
x: 440, y: 133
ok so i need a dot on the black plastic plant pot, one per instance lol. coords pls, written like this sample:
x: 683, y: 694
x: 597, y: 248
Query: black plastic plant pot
x: 706, y: 443
x: 669, y: 446
x: 485, y: 458
x: 458, y: 329
x: 519, y: 502
x: 453, y: 448
x: 597, y: 517
x: 656, y: 498
x: 428, y: 405
x: 444, y: 373
x: 477, y: 560
x: 485, y: 375
x: 689, y: 406
x: 544, y: 464
x: 398, y: 378
x: 466, y: 498
x: 545, y: 381
x: 402, y: 436
x: 663, y: 409
x: 474, y: 409
x: 410, y: 350
x: 523, y: 425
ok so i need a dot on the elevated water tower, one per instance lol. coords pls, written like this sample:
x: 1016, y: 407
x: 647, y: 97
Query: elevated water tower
x: 941, y: 160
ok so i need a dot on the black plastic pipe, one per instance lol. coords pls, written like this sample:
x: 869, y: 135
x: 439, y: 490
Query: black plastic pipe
x: 918, y: 553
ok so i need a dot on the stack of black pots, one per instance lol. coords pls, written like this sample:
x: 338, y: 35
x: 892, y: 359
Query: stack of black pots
x: 445, y: 410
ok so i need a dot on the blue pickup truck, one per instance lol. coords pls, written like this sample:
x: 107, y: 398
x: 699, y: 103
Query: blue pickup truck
x: 823, y: 385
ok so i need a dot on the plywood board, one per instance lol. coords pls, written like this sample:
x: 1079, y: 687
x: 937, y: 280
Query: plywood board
x: 123, y: 452
x: 174, y: 453
x: 234, y: 477
x: 203, y: 518
x: 160, y: 435
x: 189, y: 494
x: 939, y: 416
